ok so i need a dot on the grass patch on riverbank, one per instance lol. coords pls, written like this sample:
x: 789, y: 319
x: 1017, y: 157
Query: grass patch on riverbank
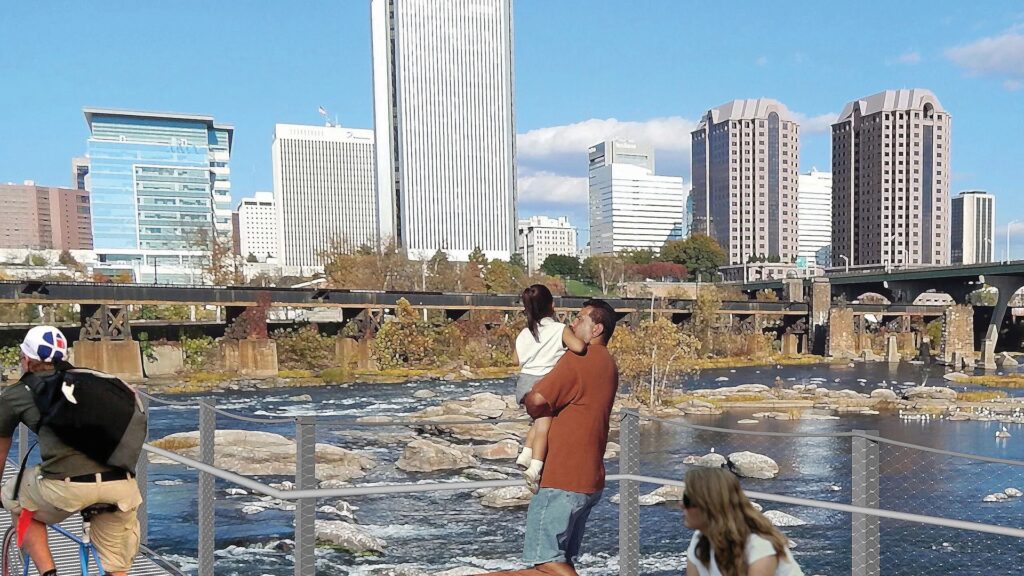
x: 979, y: 396
x: 577, y: 288
x: 994, y: 380
x: 208, y: 377
x: 748, y: 361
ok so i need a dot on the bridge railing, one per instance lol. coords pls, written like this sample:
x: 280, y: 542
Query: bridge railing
x: 857, y: 503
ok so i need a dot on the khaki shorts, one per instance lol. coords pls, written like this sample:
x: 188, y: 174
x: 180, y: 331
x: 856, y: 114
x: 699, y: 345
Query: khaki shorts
x: 115, y: 534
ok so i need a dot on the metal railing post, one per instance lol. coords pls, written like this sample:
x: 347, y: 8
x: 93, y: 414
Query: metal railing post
x: 865, y: 493
x: 207, y: 543
x: 629, y: 496
x: 305, y: 508
x: 142, y: 478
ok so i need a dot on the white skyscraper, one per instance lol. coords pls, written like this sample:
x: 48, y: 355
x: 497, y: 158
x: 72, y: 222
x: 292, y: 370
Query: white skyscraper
x: 540, y: 237
x: 323, y: 190
x: 814, y: 214
x: 257, y: 226
x: 630, y: 206
x: 973, y: 228
x: 442, y: 84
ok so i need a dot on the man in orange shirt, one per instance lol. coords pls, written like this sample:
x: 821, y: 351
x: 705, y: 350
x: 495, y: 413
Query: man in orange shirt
x: 578, y: 393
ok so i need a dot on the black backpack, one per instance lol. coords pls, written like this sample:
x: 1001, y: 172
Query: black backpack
x: 93, y: 412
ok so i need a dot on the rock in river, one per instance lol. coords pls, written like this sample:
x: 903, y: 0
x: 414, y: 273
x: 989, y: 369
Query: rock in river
x: 348, y: 536
x: 507, y: 497
x: 707, y: 461
x: 782, y: 519
x: 753, y: 465
x: 253, y: 453
x: 423, y: 455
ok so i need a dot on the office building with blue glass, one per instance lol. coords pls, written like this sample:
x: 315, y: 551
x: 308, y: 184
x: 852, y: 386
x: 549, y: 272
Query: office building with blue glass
x: 157, y: 180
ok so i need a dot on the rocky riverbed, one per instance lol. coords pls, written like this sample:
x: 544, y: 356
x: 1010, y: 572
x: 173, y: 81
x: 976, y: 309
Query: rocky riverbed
x: 471, y: 532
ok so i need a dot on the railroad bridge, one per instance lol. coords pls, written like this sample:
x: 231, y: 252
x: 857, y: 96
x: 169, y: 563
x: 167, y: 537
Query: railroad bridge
x: 800, y: 316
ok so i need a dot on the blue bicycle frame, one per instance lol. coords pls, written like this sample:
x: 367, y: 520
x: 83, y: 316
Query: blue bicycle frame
x: 85, y: 549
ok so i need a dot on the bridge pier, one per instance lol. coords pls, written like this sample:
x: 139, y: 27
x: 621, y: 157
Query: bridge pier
x: 958, y: 335
x: 842, y: 341
x: 1007, y: 286
x: 105, y: 342
x: 818, y: 326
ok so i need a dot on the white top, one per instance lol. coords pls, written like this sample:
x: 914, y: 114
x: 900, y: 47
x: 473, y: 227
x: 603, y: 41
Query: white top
x: 757, y: 548
x: 537, y: 358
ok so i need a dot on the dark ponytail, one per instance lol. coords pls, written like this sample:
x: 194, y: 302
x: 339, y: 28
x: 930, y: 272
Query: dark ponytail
x: 538, y: 304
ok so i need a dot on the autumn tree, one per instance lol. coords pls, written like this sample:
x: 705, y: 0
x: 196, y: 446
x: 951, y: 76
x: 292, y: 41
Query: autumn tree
x: 407, y: 341
x: 219, y: 265
x: 70, y: 262
x: 663, y: 271
x: 704, y: 320
x: 123, y: 277
x: 699, y: 253
x: 606, y: 271
x: 380, y: 267
x: 500, y: 277
x: 651, y: 355
x: 441, y: 274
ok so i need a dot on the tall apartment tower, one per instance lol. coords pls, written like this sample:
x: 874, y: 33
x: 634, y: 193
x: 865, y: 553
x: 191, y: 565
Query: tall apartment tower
x: 630, y: 206
x: 156, y: 178
x: 443, y: 116
x: 323, y: 190
x: 814, y: 214
x: 746, y: 158
x: 973, y: 228
x: 44, y: 217
x: 890, y: 180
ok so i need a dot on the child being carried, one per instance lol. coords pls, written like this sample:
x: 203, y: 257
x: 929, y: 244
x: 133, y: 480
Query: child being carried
x: 539, y: 346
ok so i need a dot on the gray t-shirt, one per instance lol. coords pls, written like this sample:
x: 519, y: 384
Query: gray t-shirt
x: 58, y: 459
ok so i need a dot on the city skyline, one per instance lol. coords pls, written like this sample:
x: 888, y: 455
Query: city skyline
x: 563, y: 105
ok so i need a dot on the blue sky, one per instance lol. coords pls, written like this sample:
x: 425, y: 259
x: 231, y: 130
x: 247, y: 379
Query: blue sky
x: 585, y: 71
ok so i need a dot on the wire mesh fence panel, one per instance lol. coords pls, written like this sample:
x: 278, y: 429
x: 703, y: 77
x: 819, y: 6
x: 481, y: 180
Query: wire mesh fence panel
x: 954, y: 487
x: 950, y: 486
x: 912, y: 549
x: 813, y: 467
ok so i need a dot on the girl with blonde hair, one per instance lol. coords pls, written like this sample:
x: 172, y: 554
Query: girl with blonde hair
x: 732, y: 538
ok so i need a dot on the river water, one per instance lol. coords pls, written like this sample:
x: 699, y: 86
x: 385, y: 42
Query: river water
x: 435, y: 532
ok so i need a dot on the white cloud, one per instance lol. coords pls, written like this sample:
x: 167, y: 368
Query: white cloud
x: 548, y: 187
x: 822, y: 123
x: 670, y: 133
x: 908, y: 58
x: 1001, y: 55
x: 1012, y: 85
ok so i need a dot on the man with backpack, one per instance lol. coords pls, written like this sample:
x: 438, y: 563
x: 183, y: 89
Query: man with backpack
x: 87, y: 424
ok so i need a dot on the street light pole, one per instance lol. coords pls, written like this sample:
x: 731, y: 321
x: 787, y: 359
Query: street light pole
x: 1008, y: 226
x: 846, y: 262
x: 892, y: 249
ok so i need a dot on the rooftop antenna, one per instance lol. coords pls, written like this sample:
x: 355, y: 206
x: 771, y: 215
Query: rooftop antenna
x: 323, y: 112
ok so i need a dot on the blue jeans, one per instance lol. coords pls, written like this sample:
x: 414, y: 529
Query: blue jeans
x: 554, y: 525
